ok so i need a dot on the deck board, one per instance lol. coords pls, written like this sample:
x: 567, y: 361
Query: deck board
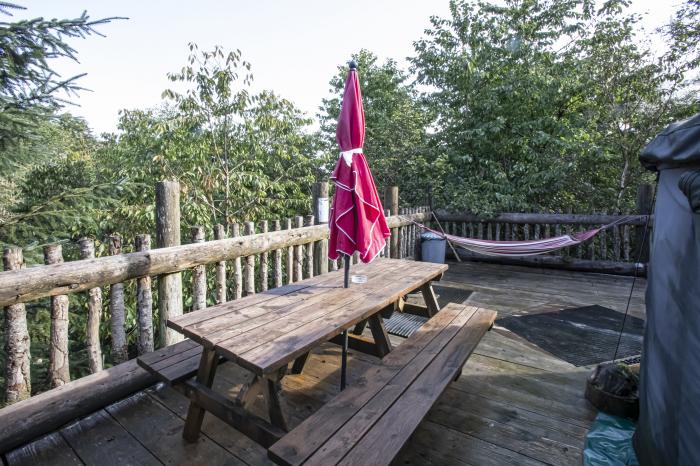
x: 98, y: 438
x: 160, y: 430
x: 514, y: 404
x: 51, y: 449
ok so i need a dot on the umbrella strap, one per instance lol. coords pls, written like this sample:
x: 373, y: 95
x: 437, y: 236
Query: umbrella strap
x: 347, y: 154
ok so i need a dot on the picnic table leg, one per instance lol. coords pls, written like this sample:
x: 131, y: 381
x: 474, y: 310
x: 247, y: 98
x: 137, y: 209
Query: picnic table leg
x: 359, y: 328
x: 250, y: 392
x: 195, y: 413
x: 380, y: 335
x: 299, y: 363
x: 274, y: 401
x: 270, y: 387
x: 430, y: 299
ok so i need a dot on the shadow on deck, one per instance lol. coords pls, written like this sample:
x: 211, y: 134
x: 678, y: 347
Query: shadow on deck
x: 513, y: 404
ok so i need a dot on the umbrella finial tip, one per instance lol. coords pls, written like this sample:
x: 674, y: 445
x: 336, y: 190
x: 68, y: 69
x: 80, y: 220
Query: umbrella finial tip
x: 352, y: 64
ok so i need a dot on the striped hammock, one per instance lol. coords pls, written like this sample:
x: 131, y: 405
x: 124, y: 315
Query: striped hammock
x: 522, y: 248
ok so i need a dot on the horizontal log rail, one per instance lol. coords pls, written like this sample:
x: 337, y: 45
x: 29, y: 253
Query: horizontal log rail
x: 562, y: 263
x: 19, y: 286
x: 24, y: 421
x: 544, y: 219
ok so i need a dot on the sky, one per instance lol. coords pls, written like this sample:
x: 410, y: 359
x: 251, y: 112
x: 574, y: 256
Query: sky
x: 294, y: 46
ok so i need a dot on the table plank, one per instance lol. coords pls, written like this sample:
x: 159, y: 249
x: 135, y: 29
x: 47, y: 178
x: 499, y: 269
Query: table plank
x: 179, y: 323
x: 273, y: 313
x: 270, y: 347
x: 286, y: 318
x: 249, y: 308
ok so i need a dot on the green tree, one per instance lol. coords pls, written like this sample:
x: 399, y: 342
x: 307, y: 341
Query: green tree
x: 543, y: 104
x: 30, y: 90
x: 236, y: 154
x: 683, y: 33
x: 396, y: 125
x: 59, y: 194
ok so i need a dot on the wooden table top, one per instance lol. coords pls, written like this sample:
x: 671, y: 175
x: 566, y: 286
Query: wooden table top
x: 266, y: 331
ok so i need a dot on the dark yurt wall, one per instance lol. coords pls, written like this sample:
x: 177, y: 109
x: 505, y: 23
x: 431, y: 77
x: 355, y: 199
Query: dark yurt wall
x: 668, y: 431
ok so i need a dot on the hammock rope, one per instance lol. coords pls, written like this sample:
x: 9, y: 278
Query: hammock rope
x: 525, y: 248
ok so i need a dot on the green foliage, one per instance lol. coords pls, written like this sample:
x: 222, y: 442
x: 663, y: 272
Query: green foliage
x: 236, y: 155
x: 542, y: 104
x: 29, y: 88
x: 683, y: 33
x: 51, y: 188
x: 396, y: 138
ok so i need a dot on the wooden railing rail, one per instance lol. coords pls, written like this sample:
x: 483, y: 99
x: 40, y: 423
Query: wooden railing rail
x: 544, y: 219
x: 23, y: 285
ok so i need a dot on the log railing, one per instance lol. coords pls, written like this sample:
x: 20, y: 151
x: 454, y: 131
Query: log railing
x: 622, y: 248
x: 223, y: 264
x: 63, y: 278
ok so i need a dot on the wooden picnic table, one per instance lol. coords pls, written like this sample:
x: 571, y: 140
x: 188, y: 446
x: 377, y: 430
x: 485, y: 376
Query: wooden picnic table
x: 265, y: 332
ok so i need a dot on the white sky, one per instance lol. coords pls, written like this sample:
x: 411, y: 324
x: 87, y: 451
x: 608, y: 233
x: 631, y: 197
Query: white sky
x: 294, y: 46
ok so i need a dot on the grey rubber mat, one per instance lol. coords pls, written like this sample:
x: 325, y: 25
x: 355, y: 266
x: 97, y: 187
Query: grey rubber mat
x: 582, y: 336
x: 403, y: 325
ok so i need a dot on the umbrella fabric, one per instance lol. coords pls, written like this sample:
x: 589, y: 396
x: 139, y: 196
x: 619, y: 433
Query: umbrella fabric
x: 357, y: 221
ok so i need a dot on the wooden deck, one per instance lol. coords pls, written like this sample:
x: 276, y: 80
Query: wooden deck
x: 513, y: 404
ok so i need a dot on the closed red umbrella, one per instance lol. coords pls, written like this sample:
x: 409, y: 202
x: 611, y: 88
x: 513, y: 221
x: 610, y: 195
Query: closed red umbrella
x: 357, y: 221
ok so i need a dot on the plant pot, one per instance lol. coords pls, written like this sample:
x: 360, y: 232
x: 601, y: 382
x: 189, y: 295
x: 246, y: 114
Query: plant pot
x: 611, y: 404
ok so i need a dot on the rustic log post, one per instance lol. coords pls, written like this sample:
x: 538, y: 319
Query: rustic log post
x: 299, y: 253
x: 249, y: 277
x: 199, y: 274
x: 263, y: 260
x: 603, y: 245
x: 321, y: 216
x: 59, y: 373
x: 387, y: 244
x: 277, y: 258
x: 645, y: 195
x: 392, y: 202
x: 237, y: 268
x: 94, y: 312
x: 120, y: 350
x: 290, y: 255
x: 309, y: 248
x: 144, y: 302
x: 402, y: 237
x: 18, y: 385
x: 168, y: 234
x: 220, y: 233
x: 409, y: 236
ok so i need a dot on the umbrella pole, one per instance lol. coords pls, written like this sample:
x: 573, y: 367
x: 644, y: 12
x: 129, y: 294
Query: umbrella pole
x: 344, y: 358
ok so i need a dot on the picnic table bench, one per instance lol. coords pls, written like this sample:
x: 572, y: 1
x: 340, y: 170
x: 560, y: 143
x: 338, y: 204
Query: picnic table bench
x: 266, y: 332
x: 370, y: 421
